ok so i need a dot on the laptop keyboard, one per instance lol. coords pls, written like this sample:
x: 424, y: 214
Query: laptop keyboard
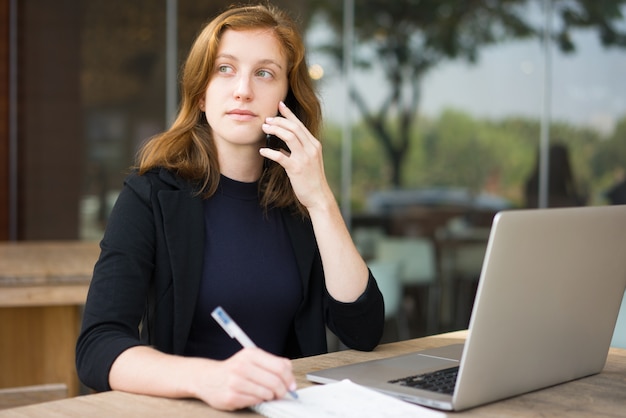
x: 441, y: 381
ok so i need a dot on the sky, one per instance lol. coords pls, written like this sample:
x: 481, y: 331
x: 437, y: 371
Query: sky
x: 588, y: 87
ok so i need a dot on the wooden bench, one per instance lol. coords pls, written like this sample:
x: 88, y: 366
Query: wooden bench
x: 43, y: 286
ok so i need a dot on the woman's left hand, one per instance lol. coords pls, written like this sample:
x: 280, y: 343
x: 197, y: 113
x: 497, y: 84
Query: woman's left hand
x: 304, y: 164
x: 346, y: 274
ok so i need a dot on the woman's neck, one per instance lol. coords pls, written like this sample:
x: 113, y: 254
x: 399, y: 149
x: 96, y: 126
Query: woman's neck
x: 241, y: 166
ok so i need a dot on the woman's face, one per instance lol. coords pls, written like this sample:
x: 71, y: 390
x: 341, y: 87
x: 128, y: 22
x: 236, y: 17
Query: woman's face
x: 248, y: 81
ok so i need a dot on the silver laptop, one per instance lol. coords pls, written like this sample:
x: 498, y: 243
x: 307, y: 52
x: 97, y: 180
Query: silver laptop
x: 548, y: 298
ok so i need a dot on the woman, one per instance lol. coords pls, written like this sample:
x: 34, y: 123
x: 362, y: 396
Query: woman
x: 562, y: 187
x: 213, y: 217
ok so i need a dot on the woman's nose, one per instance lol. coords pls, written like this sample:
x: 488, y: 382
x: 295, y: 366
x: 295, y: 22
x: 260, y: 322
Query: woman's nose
x: 243, y: 89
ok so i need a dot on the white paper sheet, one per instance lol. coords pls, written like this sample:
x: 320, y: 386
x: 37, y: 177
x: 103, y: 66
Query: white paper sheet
x: 342, y: 399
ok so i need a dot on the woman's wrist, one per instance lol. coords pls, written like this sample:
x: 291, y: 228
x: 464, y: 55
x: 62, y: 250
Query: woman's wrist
x: 194, y: 375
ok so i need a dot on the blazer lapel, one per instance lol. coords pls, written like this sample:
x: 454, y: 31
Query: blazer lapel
x: 184, y: 233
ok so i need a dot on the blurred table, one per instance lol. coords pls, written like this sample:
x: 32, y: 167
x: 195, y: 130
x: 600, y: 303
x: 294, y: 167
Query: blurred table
x: 43, y: 286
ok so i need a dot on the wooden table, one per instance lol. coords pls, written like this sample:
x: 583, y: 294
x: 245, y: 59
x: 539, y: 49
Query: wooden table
x: 602, y: 395
x: 43, y: 286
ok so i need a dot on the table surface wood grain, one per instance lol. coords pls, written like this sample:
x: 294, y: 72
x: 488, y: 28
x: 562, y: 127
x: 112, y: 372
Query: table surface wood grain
x: 26, y: 263
x: 46, y: 273
x: 601, y: 395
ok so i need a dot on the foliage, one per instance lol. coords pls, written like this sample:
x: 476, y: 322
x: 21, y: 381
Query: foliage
x: 608, y: 163
x: 457, y: 150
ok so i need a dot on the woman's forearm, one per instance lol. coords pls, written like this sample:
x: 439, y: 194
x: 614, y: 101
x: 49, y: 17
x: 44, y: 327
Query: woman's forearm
x: 247, y: 378
x: 345, y: 271
x: 146, y: 371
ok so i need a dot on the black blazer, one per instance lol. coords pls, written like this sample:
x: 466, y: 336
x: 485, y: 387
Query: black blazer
x: 146, y: 280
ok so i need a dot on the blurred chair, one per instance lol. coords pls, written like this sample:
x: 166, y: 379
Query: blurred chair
x: 619, y: 335
x: 386, y: 274
x: 462, y: 246
x: 28, y: 395
x: 366, y: 239
x: 467, y: 264
x: 417, y: 270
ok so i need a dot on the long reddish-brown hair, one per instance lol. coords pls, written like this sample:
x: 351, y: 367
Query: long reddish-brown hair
x: 187, y: 147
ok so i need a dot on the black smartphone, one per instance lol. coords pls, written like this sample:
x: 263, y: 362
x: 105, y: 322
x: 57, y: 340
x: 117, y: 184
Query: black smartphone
x: 274, y: 142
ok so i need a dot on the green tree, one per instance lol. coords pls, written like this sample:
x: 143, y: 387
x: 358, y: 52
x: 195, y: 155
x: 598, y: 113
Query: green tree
x: 406, y: 39
x: 608, y: 163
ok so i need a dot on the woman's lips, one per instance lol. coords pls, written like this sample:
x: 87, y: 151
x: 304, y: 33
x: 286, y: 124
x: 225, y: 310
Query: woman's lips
x: 240, y: 114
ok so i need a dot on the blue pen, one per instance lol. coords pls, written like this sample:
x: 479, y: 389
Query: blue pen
x: 233, y: 330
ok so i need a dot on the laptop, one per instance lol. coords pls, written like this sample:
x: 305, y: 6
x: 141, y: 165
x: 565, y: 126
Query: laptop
x: 547, y: 302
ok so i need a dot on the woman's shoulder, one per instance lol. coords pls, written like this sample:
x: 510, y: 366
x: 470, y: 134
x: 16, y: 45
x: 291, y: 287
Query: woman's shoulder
x: 158, y: 178
x: 149, y: 184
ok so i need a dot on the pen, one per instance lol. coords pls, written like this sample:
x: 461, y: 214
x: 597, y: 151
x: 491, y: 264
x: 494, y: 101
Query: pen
x: 233, y: 330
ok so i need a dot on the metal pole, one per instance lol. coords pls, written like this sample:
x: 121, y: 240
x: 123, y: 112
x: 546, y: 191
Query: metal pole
x: 544, y: 149
x: 171, y: 60
x: 346, y: 154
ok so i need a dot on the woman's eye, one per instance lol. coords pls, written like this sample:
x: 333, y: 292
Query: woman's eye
x: 264, y: 73
x: 224, y: 69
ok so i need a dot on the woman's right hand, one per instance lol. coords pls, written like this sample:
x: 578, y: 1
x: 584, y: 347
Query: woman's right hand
x: 248, y: 377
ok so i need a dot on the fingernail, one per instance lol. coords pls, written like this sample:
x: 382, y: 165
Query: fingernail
x: 269, y: 119
x: 282, y: 104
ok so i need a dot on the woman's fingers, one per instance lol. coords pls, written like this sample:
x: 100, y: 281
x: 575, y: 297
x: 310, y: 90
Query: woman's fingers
x: 289, y: 128
x: 304, y: 164
x: 266, y: 376
x: 247, y: 378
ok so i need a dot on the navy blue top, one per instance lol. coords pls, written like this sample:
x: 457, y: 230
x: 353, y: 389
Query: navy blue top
x: 249, y: 269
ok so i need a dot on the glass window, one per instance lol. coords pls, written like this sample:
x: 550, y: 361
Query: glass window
x: 122, y: 95
x: 92, y: 87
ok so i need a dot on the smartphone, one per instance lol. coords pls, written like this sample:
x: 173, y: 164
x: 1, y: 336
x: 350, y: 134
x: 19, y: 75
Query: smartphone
x: 275, y: 143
